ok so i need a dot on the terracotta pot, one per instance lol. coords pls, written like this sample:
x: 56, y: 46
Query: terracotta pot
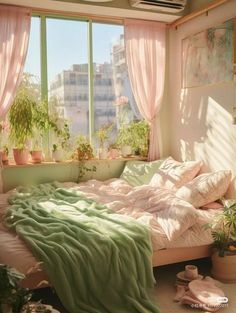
x: 224, y: 268
x: 6, y: 308
x: 114, y: 153
x: 21, y: 156
x: 36, y: 156
x: 4, y: 157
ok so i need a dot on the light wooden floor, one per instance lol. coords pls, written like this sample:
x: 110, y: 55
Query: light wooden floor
x: 165, y: 290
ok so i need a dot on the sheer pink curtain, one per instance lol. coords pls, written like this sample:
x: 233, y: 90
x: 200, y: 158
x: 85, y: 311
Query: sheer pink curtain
x: 14, y: 37
x: 145, y: 56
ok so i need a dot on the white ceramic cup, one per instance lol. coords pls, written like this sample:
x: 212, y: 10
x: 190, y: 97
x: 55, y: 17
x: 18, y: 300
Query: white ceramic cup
x: 191, y: 271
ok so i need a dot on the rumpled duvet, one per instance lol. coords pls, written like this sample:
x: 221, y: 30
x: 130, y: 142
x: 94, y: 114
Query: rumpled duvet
x: 97, y: 260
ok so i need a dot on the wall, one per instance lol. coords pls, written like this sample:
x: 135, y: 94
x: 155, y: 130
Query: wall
x: 197, y: 5
x: 165, y: 110
x: 24, y: 175
x: 201, y: 121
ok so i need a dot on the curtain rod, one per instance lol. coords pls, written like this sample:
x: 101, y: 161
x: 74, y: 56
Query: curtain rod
x: 98, y: 18
x: 192, y: 15
x: 94, y: 17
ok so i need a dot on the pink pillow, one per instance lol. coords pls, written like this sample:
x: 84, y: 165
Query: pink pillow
x: 205, y: 188
x: 173, y: 174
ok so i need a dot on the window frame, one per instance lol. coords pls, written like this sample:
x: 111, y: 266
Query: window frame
x: 44, y: 64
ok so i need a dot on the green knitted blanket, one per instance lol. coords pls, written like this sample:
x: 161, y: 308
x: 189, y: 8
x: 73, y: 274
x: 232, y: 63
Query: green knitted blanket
x: 97, y: 261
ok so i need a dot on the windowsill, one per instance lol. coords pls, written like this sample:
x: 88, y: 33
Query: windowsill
x: 52, y: 163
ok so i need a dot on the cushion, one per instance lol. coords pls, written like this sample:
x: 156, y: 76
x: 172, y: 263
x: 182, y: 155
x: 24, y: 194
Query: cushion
x: 137, y: 173
x: 174, y: 215
x: 173, y: 174
x: 205, y: 188
x: 212, y: 205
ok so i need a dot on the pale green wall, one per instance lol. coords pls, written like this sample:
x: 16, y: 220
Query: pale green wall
x: 41, y: 173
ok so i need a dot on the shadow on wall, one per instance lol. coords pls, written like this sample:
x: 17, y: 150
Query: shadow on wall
x: 205, y: 126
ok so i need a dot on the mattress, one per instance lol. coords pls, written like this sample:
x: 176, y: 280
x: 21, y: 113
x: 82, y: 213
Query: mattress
x: 120, y: 197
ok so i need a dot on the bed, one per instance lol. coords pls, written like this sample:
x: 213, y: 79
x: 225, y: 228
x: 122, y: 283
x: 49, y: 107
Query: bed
x: 129, y: 224
x: 142, y: 203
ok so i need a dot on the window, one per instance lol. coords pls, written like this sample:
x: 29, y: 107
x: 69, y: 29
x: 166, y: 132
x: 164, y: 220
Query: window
x: 32, y: 64
x: 67, y: 59
x: 81, y: 73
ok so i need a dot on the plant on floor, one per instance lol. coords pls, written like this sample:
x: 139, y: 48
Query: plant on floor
x: 223, y: 230
x: 12, y: 296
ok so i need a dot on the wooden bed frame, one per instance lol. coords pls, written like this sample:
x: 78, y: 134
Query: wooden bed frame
x: 176, y: 255
x: 160, y: 257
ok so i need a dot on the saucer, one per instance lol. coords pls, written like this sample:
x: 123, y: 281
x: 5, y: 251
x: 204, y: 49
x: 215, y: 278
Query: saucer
x: 181, y: 275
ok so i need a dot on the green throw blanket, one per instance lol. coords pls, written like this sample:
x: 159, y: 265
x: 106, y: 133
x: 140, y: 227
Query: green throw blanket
x: 98, y: 261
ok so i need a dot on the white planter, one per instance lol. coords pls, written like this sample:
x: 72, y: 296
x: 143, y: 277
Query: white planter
x: 126, y: 150
x: 57, y: 155
x: 102, y: 154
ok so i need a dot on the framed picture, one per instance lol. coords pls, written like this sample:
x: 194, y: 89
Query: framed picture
x: 208, y: 56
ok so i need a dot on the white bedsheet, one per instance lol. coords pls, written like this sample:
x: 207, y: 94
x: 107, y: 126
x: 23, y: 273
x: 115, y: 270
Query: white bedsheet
x: 139, y: 202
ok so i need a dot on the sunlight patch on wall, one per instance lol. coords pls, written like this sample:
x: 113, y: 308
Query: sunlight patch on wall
x: 218, y: 149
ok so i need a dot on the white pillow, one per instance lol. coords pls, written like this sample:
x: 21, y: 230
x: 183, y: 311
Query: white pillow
x: 205, y: 188
x: 173, y: 174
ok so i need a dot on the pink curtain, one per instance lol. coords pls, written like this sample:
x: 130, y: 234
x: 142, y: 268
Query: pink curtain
x: 145, y: 56
x: 14, y: 37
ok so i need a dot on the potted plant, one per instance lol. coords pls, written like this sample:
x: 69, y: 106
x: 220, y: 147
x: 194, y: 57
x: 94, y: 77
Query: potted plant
x: 223, y: 229
x: 140, y: 133
x: 124, y: 140
x: 42, y: 123
x: 4, y: 155
x: 113, y: 151
x: 57, y: 153
x: 16, y: 299
x: 36, y: 153
x: 21, y: 125
x: 12, y: 296
x: 4, y: 151
x: 102, y: 135
x: 84, y: 150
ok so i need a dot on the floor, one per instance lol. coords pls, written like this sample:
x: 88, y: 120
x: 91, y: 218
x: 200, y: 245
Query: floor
x: 165, y: 290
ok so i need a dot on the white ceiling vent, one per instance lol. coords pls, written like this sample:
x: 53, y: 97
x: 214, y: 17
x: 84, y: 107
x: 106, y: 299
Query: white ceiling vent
x: 171, y: 6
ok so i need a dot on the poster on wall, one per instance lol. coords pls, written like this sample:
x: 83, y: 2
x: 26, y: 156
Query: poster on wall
x: 207, y: 57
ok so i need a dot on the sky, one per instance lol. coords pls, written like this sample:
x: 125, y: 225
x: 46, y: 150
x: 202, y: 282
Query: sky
x: 67, y: 44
